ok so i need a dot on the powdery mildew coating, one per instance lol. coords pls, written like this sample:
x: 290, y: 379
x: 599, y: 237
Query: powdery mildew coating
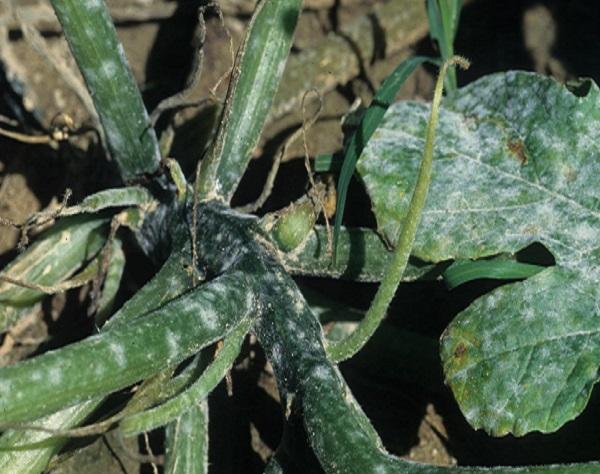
x: 102, y: 61
x: 516, y: 161
x: 513, y: 165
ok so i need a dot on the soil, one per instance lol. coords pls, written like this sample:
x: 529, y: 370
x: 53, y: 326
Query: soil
x: 417, y: 419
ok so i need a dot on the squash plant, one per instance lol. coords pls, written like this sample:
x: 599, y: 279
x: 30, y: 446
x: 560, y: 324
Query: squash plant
x: 513, y: 163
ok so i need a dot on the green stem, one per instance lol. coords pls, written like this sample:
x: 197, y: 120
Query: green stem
x: 99, y: 54
x: 199, y: 390
x: 187, y: 442
x: 124, y: 354
x: 254, y: 82
x: 346, y: 348
x: 362, y: 255
x: 464, y: 271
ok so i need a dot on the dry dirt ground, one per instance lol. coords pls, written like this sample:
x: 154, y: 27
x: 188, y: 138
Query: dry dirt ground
x: 343, y: 48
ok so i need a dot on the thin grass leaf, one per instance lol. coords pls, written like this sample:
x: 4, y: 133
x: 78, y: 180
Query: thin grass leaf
x: 92, y: 38
x: 186, y: 444
x: 259, y: 66
x: 370, y: 121
x: 436, y: 26
x: 443, y: 16
x: 199, y: 390
x: 464, y: 271
x: 29, y: 451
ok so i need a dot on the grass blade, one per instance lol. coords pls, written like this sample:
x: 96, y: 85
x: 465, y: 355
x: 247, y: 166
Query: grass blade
x: 93, y: 40
x: 443, y: 16
x: 370, y: 121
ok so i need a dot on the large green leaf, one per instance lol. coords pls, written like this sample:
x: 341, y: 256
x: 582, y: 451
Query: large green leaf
x: 517, y: 161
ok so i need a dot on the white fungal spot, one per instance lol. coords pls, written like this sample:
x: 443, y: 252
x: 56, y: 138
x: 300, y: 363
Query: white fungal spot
x: 118, y: 353
x: 92, y: 4
x: 109, y: 67
x: 172, y: 344
x: 36, y: 376
x: 55, y: 375
x: 5, y: 387
x: 320, y: 372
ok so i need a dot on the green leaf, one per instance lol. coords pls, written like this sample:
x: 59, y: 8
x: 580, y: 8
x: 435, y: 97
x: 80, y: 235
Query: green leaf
x: 463, y: 271
x: 124, y: 354
x: 186, y: 445
x: 370, y: 121
x: 516, y: 163
x: 112, y: 282
x: 29, y: 451
x: 199, y: 390
x: 55, y: 256
x: 526, y: 356
x: 114, y: 197
x: 93, y: 40
x: 362, y: 256
x: 443, y: 16
x: 255, y: 79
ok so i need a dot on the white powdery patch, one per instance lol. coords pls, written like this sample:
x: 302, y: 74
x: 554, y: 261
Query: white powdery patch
x: 93, y: 4
x: 55, y: 376
x: 172, y: 344
x: 487, y: 345
x: 528, y: 314
x: 36, y: 376
x: 585, y: 233
x: 5, y: 387
x: 472, y: 414
x: 109, y: 67
x: 210, y: 319
x: 380, y: 469
x: 118, y: 353
x: 185, y: 427
x: 514, y: 388
x: 298, y: 305
x: 321, y: 372
x: 276, y: 355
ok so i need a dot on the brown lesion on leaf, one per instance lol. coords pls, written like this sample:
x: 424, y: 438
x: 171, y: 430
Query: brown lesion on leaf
x: 517, y: 148
x: 460, y: 350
